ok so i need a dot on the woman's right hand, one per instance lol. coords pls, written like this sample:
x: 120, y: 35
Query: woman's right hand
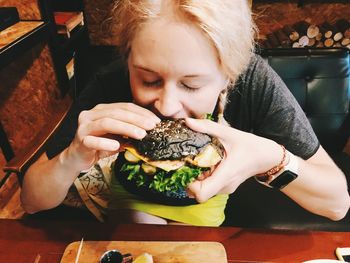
x: 99, y: 128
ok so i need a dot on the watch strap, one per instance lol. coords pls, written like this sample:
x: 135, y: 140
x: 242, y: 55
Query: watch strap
x: 287, y: 174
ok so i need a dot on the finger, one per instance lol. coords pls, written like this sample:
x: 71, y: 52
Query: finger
x: 107, y: 125
x: 190, y: 194
x: 207, y: 188
x: 140, y: 110
x: 204, y: 175
x: 118, y: 114
x: 132, y: 108
x: 228, y: 189
x: 104, y: 154
x: 206, y: 126
x: 101, y: 144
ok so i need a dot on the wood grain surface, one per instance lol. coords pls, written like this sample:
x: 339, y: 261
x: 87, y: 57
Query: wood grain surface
x: 162, y: 252
x: 14, y: 32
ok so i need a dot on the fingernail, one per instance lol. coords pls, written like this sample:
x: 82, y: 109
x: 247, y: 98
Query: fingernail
x: 140, y: 133
x: 112, y: 145
x: 150, y: 124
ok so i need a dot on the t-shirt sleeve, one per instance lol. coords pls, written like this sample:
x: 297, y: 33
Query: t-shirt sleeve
x: 273, y: 112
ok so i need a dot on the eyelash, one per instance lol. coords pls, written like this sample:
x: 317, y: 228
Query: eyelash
x: 152, y: 83
x: 188, y: 88
x: 157, y: 83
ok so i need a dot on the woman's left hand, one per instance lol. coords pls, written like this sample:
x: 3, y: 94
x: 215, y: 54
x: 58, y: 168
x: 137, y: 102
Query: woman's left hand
x: 246, y: 155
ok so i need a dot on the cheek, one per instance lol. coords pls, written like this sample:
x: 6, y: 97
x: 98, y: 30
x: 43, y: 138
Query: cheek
x: 140, y: 94
x: 201, y: 103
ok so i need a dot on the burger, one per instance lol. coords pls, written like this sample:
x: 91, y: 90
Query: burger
x: 161, y: 165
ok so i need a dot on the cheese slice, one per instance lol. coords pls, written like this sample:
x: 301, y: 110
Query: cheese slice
x: 208, y: 157
x: 166, y: 165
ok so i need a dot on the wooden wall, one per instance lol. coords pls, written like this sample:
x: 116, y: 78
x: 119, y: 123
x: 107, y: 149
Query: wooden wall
x: 29, y: 96
x: 29, y: 91
x: 27, y: 9
x: 270, y: 17
x: 97, y: 14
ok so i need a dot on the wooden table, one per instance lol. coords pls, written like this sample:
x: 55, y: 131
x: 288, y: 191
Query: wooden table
x: 45, y: 241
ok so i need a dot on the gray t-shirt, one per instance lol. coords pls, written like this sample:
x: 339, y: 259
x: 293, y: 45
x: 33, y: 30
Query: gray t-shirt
x: 262, y: 104
x: 259, y: 103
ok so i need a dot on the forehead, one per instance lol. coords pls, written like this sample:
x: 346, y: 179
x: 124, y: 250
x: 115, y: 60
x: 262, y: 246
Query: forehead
x: 166, y: 41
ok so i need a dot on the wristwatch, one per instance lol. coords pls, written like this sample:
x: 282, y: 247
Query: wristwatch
x: 283, y: 177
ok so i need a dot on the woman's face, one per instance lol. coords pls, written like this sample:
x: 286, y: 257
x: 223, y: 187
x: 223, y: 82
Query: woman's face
x: 174, y: 70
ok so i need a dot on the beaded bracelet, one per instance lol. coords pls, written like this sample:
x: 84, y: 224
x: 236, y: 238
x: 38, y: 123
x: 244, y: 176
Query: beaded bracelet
x: 277, y: 168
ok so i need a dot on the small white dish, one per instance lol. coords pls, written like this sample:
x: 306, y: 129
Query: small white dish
x: 322, y: 261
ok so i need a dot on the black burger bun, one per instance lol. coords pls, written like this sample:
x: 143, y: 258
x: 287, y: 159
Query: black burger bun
x: 171, y: 140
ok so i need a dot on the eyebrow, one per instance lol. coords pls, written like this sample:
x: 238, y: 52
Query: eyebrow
x: 144, y: 68
x: 152, y: 71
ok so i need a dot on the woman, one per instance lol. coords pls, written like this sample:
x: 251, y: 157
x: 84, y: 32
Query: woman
x: 185, y: 59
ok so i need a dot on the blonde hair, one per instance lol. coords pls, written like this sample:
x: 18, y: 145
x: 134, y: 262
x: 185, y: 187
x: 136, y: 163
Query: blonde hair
x: 227, y: 24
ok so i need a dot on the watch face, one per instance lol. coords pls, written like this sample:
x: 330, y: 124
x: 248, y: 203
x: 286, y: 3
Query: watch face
x: 283, y: 179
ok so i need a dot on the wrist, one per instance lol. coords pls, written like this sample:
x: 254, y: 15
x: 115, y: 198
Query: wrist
x: 277, y: 168
x: 268, y: 155
x: 71, y: 160
x: 282, y: 174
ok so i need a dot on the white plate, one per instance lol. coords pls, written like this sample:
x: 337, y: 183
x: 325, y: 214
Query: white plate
x: 322, y: 261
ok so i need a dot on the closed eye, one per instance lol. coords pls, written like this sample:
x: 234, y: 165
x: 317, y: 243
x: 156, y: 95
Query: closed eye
x: 188, y: 88
x: 156, y: 83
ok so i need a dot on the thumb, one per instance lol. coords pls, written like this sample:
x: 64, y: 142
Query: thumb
x: 205, y: 126
x: 212, y: 185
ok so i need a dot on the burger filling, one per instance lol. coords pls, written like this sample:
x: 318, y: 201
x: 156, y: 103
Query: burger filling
x: 168, y: 175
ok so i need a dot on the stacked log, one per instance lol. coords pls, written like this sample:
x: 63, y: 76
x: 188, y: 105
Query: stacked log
x: 304, y: 34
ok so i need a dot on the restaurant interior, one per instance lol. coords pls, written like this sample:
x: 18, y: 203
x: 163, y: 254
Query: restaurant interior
x: 49, y: 49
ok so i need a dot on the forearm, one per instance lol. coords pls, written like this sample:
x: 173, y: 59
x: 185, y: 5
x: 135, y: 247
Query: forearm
x: 46, y: 182
x: 320, y: 187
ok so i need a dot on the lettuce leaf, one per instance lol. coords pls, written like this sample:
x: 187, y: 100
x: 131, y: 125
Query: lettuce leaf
x: 209, y: 116
x: 163, y: 181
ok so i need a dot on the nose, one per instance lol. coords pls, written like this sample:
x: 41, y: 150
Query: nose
x: 168, y: 103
